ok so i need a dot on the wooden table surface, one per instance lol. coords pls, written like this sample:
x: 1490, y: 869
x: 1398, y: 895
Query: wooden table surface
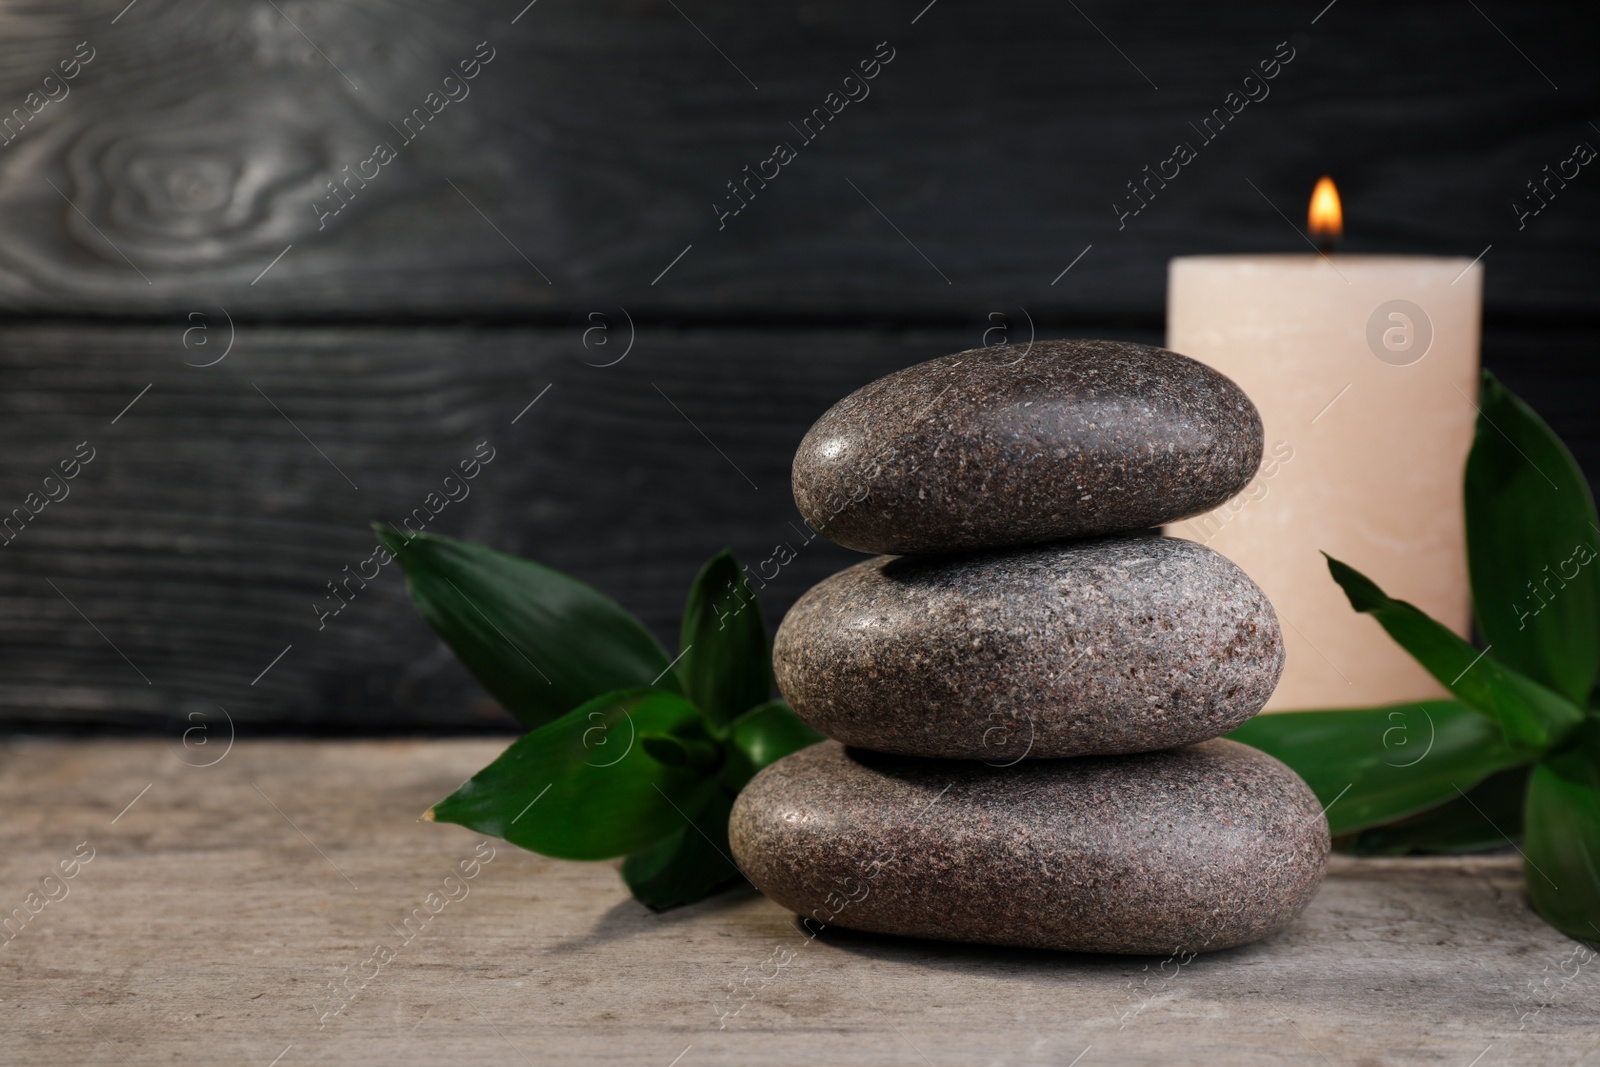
x: 221, y: 901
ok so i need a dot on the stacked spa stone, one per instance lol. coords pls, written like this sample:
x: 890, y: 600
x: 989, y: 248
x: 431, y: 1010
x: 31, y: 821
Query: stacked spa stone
x: 1026, y: 689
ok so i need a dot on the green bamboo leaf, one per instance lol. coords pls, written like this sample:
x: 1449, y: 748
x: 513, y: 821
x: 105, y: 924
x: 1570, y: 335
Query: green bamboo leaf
x: 681, y: 751
x: 582, y: 787
x: 770, y: 733
x: 1532, y: 716
x: 1488, y: 816
x: 1531, y: 546
x: 540, y: 642
x: 1369, y: 766
x: 724, y: 666
x: 690, y: 865
x: 695, y: 861
x: 1562, y: 836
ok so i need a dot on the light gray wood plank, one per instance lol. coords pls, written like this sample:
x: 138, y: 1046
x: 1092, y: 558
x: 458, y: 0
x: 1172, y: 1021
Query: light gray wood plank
x: 206, y: 925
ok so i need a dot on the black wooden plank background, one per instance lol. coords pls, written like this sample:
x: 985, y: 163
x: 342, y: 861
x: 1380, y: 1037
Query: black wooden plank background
x: 172, y: 197
x: 596, y: 141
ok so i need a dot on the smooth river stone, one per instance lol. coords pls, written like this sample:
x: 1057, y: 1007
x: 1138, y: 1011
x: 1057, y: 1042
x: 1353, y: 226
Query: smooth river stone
x: 1189, y: 850
x: 988, y: 448
x: 1112, y: 645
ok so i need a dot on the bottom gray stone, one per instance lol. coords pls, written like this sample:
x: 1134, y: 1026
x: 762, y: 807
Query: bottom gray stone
x: 1187, y: 850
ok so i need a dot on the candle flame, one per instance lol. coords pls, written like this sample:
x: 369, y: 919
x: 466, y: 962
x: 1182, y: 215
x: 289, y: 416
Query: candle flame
x: 1325, y: 219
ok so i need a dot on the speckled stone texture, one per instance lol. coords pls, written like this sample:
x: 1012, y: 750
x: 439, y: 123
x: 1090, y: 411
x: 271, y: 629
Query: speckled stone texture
x: 1190, y: 850
x: 989, y: 448
x: 1118, y: 644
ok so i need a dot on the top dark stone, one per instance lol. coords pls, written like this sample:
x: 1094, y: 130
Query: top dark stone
x: 1016, y: 445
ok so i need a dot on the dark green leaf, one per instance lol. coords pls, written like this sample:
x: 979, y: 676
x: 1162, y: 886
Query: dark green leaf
x: 1372, y: 765
x: 581, y: 787
x: 1562, y: 836
x: 771, y: 732
x: 1531, y: 545
x: 681, y: 752
x: 1489, y: 816
x: 540, y: 642
x: 691, y: 864
x: 725, y: 667
x: 1532, y: 716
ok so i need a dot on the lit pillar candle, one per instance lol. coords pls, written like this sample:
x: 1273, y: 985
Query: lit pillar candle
x: 1365, y: 371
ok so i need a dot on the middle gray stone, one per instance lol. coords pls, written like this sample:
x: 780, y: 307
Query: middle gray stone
x: 1112, y: 645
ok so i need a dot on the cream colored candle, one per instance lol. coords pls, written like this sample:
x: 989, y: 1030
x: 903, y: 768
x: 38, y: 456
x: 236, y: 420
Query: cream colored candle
x: 1365, y: 370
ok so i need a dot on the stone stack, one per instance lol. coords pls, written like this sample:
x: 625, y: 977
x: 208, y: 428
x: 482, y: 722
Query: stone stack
x: 1031, y: 682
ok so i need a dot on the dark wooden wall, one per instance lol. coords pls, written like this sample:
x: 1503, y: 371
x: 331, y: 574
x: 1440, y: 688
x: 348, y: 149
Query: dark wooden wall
x: 163, y: 209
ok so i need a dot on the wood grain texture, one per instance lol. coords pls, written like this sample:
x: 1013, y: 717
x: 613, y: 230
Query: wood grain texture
x: 202, y: 537
x: 587, y: 155
x: 218, y: 907
x: 200, y: 540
